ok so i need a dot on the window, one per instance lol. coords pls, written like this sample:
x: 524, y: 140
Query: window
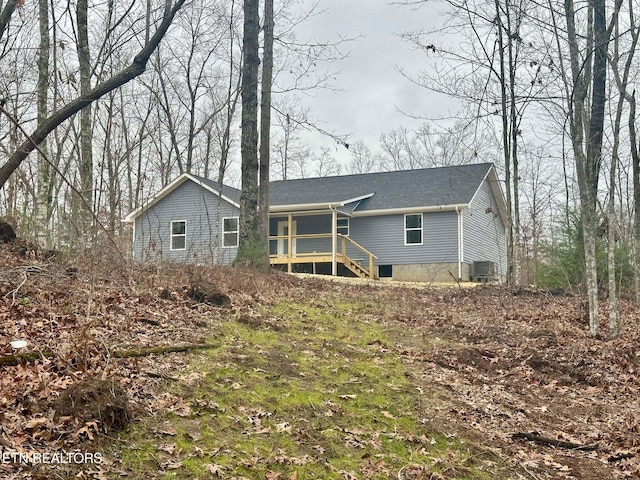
x: 343, y: 226
x: 385, y: 271
x: 179, y: 235
x: 230, y: 232
x: 413, y: 229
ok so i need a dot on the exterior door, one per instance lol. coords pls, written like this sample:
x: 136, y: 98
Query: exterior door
x: 283, y: 230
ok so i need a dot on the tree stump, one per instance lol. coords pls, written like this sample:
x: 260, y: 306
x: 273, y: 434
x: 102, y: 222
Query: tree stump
x: 204, y: 291
x: 7, y: 233
x: 95, y: 399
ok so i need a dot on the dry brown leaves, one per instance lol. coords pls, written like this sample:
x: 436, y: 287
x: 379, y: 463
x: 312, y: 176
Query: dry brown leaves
x: 82, y: 314
x: 497, y: 363
x: 525, y: 364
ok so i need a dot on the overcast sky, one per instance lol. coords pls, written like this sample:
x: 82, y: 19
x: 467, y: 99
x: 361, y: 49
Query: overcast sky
x: 372, y: 93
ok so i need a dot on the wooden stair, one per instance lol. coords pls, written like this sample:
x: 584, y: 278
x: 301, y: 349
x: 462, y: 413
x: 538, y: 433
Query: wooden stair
x: 356, y: 267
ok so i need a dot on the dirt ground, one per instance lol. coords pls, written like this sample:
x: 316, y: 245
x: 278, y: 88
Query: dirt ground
x: 522, y: 367
x: 514, y: 371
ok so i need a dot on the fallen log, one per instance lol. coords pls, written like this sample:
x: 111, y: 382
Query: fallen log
x: 18, y: 358
x: 537, y: 438
x: 162, y: 349
x: 621, y: 456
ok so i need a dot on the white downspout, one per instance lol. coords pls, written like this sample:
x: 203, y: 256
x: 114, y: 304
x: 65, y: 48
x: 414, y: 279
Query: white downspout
x: 334, y: 241
x: 460, y: 243
x: 462, y: 238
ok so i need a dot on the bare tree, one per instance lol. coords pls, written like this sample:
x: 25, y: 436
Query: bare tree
x: 622, y: 83
x: 43, y: 203
x: 265, y: 119
x: 326, y: 165
x: 586, y: 122
x: 362, y: 160
x: 136, y: 68
x: 86, y: 126
x: 252, y: 246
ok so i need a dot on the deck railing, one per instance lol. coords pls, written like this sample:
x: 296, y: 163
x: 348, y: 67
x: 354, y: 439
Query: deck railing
x: 354, y: 264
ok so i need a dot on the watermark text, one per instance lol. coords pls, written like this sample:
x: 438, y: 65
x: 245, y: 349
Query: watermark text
x: 51, y: 458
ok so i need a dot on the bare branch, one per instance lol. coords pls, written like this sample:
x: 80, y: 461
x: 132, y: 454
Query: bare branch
x: 136, y: 68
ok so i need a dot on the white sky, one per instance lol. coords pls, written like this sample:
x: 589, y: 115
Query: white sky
x: 372, y: 93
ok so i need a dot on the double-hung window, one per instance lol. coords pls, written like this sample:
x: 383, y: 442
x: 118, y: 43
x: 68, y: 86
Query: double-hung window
x: 230, y: 231
x: 179, y: 235
x: 413, y: 229
x: 343, y: 226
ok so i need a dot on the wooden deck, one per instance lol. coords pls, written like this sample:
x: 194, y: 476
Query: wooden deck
x: 361, y: 268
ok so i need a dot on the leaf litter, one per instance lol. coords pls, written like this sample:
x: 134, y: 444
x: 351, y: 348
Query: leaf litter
x: 480, y: 366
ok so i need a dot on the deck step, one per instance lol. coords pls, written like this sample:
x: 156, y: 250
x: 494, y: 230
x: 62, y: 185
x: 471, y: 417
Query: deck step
x: 356, y: 268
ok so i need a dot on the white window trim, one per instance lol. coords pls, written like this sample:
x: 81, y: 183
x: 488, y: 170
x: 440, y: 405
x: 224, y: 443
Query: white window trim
x: 237, y: 232
x: 171, y: 235
x: 348, y: 226
x: 421, y: 229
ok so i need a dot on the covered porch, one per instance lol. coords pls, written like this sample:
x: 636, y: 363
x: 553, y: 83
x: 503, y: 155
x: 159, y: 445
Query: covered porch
x: 317, y: 237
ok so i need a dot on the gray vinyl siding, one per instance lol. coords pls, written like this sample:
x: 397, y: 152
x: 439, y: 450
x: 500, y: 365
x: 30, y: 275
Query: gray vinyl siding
x: 484, y: 231
x: 306, y: 225
x: 203, y: 212
x: 384, y: 237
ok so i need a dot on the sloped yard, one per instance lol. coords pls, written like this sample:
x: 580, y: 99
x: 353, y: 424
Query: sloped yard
x: 306, y: 378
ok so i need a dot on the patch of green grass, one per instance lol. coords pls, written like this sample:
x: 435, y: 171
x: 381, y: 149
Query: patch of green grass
x: 314, y: 390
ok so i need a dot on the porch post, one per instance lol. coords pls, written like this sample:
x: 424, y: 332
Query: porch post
x: 334, y: 241
x: 289, y: 241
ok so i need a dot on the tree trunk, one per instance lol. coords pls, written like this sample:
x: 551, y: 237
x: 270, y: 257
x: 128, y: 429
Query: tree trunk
x: 592, y: 123
x: 6, y: 14
x: 506, y: 145
x: 594, y: 156
x: 635, y: 158
x: 86, y: 134
x: 43, y: 203
x: 514, y: 129
x: 252, y: 247
x: 615, y: 328
x: 622, y: 81
x: 265, y: 119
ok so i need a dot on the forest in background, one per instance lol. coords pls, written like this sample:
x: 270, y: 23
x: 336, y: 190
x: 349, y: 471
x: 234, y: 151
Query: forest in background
x: 546, y: 91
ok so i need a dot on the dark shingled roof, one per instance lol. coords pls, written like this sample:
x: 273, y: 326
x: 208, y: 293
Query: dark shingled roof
x: 227, y: 191
x: 426, y: 187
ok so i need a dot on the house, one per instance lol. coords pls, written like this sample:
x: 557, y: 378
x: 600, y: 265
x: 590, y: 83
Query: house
x: 434, y: 224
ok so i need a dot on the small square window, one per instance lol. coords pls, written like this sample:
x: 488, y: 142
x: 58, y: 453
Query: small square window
x: 178, y: 235
x: 413, y: 229
x: 343, y: 226
x: 385, y: 271
x: 230, y: 232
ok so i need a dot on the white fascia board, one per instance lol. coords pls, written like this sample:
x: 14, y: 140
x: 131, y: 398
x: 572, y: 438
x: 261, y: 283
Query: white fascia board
x: 300, y: 213
x: 480, y: 185
x: 303, y: 206
x: 157, y: 197
x: 357, y: 199
x: 424, y: 209
x: 170, y: 188
x: 212, y: 190
x: 316, y: 206
x: 494, y: 184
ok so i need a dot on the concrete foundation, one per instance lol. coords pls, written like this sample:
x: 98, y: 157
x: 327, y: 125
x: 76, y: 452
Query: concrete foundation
x: 430, y: 272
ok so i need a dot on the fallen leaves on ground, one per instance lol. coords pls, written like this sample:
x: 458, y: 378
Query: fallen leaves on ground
x: 494, y: 363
